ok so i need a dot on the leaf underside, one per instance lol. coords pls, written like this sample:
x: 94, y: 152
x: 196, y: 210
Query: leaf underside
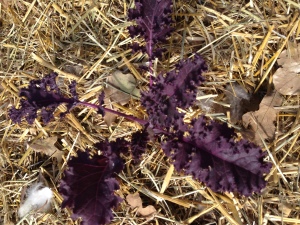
x: 89, y: 183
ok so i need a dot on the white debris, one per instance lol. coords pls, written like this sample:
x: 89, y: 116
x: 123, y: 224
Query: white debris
x: 38, y: 199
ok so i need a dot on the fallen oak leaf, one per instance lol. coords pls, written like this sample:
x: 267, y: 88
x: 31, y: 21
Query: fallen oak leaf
x: 120, y: 88
x: 75, y: 68
x: 135, y: 201
x: 287, y: 79
x: 238, y: 97
x: 109, y: 117
x: 262, y: 120
x: 47, y: 147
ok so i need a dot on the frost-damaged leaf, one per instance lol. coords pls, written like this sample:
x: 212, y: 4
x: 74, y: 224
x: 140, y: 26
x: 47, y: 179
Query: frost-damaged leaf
x: 42, y: 95
x: 287, y: 79
x: 89, y: 183
x: 211, y: 155
x: 47, y: 147
x: 178, y: 89
x: 153, y: 19
x: 262, y: 120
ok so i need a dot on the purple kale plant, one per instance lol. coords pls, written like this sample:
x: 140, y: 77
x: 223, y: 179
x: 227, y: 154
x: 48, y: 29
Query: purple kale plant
x: 207, y: 150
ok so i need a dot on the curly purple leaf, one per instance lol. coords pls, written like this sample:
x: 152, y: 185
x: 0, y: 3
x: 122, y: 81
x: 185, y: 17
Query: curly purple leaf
x: 177, y: 89
x: 43, y: 95
x: 153, y: 19
x: 212, y: 156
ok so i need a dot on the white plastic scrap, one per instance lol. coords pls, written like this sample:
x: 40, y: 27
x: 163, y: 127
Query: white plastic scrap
x: 38, y: 199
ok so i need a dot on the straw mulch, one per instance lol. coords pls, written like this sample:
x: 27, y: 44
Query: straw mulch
x: 88, y: 40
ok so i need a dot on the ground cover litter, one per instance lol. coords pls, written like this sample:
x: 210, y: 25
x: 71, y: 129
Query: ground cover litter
x: 252, y: 83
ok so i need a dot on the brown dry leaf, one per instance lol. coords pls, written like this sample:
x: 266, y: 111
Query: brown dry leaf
x: 135, y: 201
x: 109, y: 118
x: 262, y: 120
x: 6, y: 3
x: 76, y: 69
x: 287, y: 79
x: 285, y: 209
x: 47, y: 147
x: 120, y: 88
x: 237, y: 97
